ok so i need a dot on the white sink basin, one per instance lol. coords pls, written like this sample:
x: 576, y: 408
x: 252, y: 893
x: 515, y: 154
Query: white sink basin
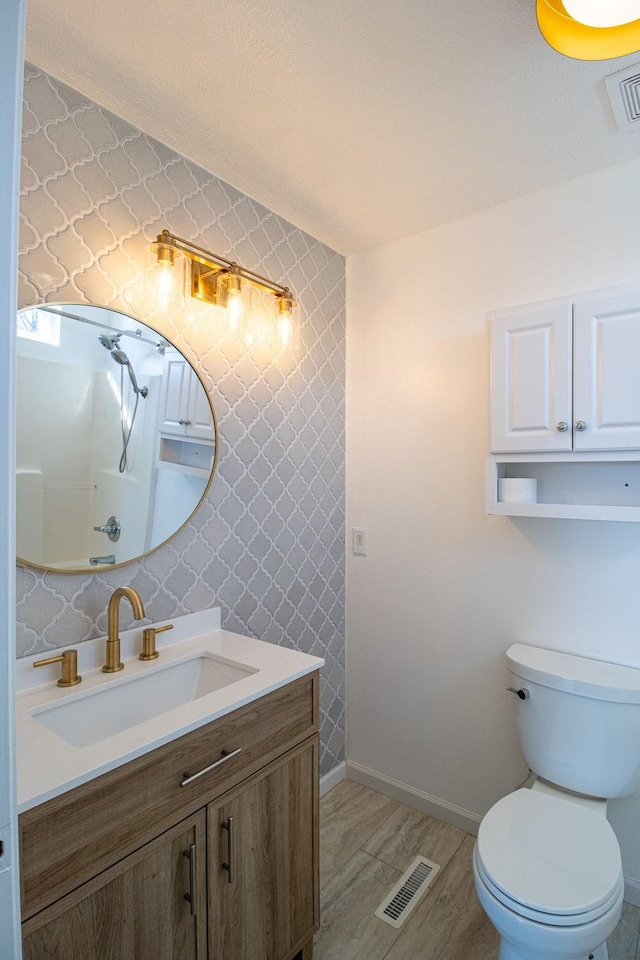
x: 97, y: 714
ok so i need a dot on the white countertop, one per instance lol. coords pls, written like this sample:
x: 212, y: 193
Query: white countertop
x: 49, y: 766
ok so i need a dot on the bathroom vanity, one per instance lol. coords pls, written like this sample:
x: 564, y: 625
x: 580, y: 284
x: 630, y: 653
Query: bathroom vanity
x: 205, y: 845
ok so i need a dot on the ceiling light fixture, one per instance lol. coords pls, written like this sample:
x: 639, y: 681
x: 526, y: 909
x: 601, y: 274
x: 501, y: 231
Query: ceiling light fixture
x: 590, y: 29
x: 222, y: 282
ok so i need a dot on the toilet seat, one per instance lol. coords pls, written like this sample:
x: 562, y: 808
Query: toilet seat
x: 552, y: 920
x: 549, y: 859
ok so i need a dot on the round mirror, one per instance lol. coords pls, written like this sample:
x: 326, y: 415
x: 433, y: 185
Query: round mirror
x: 116, y: 438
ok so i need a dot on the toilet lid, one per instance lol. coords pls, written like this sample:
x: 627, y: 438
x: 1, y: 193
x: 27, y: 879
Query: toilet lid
x: 549, y: 854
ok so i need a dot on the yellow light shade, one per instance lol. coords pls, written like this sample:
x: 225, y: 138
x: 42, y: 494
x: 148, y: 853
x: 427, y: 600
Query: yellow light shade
x: 582, y: 42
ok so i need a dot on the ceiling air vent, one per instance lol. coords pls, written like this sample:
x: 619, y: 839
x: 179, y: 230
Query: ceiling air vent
x: 624, y: 92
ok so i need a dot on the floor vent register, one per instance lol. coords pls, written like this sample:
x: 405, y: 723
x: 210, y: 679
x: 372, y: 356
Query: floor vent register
x: 408, y: 891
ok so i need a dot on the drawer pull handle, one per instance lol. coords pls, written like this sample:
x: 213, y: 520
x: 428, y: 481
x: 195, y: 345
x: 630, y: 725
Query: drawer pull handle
x: 192, y: 897
x: 229, y: 826
x: 226, y: 755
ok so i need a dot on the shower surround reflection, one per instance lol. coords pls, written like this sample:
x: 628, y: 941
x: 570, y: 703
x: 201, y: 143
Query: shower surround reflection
x: 90, y: 420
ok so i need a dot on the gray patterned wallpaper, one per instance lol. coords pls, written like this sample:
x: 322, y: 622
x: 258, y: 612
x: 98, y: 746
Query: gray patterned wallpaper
x: 268, y: 544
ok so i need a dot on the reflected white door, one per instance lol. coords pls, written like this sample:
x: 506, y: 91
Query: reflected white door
x: 199, y: 411
x: 176, y: 384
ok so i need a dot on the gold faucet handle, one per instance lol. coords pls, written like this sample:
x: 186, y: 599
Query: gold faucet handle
x: 69, y: 661
x: 149, y: 651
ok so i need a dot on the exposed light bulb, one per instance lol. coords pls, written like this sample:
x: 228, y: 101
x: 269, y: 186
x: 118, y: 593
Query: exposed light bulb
x: 235, y: 312
x: 163, y: 278
x: 285, y: 330
x: 285, y: 324
x: 603, y: 13
x: 165, y: 284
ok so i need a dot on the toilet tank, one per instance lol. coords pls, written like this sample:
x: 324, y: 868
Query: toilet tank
x: 580, y: 725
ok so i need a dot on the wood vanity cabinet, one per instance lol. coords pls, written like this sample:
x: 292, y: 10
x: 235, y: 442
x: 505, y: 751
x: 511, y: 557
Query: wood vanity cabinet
x: 105, y: 867
x: 134, y: 909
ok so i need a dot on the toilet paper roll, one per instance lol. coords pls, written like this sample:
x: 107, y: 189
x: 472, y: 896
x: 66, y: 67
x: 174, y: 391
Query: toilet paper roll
x: 518, y: 490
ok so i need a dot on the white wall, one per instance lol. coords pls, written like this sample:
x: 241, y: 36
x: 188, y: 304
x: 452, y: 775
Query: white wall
x: 445, y: 589
x: 12, y: 17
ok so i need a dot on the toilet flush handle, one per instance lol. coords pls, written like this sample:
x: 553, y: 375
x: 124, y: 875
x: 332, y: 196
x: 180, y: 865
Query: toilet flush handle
x: 523, y: 693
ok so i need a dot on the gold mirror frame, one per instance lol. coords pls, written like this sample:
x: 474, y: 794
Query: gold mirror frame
x: 103, y: 568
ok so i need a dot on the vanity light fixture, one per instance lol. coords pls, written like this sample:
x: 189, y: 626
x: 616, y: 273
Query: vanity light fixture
x: 590, y: 29
x: 216, y: 280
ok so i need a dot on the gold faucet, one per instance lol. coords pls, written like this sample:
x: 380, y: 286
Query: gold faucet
x: 113, y: 663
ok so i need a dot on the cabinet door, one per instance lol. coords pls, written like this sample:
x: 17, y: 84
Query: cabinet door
x: 135, y: 910
x: 607, y: 373
x: 199, y: 411
x: 268, y: 905
x: 531, y: 380
x: 176, y: 383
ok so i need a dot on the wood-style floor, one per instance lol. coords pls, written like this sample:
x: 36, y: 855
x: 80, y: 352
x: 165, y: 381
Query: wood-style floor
x: 367, y: 841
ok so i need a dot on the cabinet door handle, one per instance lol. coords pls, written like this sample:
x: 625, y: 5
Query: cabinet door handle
x: 184, y: 423
x: 580, y: 425
x: 562, y: 426
x: 192, y: 897
x: 230, y: 865
x: 226, y: 755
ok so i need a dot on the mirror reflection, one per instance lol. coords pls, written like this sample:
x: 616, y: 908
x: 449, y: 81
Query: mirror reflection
x: 116, y: 438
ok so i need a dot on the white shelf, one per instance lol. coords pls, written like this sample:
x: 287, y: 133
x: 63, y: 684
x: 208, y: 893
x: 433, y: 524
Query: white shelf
x: 571, y: 486
x: 566, y: 511
x: 191, y: 457
x: 181, y: 468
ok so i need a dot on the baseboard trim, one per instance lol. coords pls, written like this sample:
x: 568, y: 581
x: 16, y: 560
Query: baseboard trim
x: 632, y: 891
x: 329, y: 780
x: 434, y: 806
x: 425, y: 802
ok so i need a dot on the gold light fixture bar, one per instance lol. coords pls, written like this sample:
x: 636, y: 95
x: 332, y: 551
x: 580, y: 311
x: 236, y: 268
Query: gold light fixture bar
x: 207, y: 269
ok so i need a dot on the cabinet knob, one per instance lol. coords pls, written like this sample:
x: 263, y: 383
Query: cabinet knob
x: 562, y: 426
x: 580, y: 425
x: 184, y: 423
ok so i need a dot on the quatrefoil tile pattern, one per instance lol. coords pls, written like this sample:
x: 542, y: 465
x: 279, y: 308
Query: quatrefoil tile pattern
x: 267, y: 545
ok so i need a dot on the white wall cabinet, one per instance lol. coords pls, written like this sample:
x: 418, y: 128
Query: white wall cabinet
x: 606, y: 372
x: 185, y: 410
x: 566, y: 376
x: 565, y: 406
x: 531, y: 379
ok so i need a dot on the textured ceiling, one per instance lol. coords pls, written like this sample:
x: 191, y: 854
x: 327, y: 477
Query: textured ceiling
x: 358, y: 120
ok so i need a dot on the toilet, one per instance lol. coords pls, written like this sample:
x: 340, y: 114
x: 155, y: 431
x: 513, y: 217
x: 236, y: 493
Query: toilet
x: 546, y: 863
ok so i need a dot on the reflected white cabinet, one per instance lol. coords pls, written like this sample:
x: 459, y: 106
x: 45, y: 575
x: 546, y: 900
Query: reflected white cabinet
x: 566, y: 376
x: 185, y: 410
